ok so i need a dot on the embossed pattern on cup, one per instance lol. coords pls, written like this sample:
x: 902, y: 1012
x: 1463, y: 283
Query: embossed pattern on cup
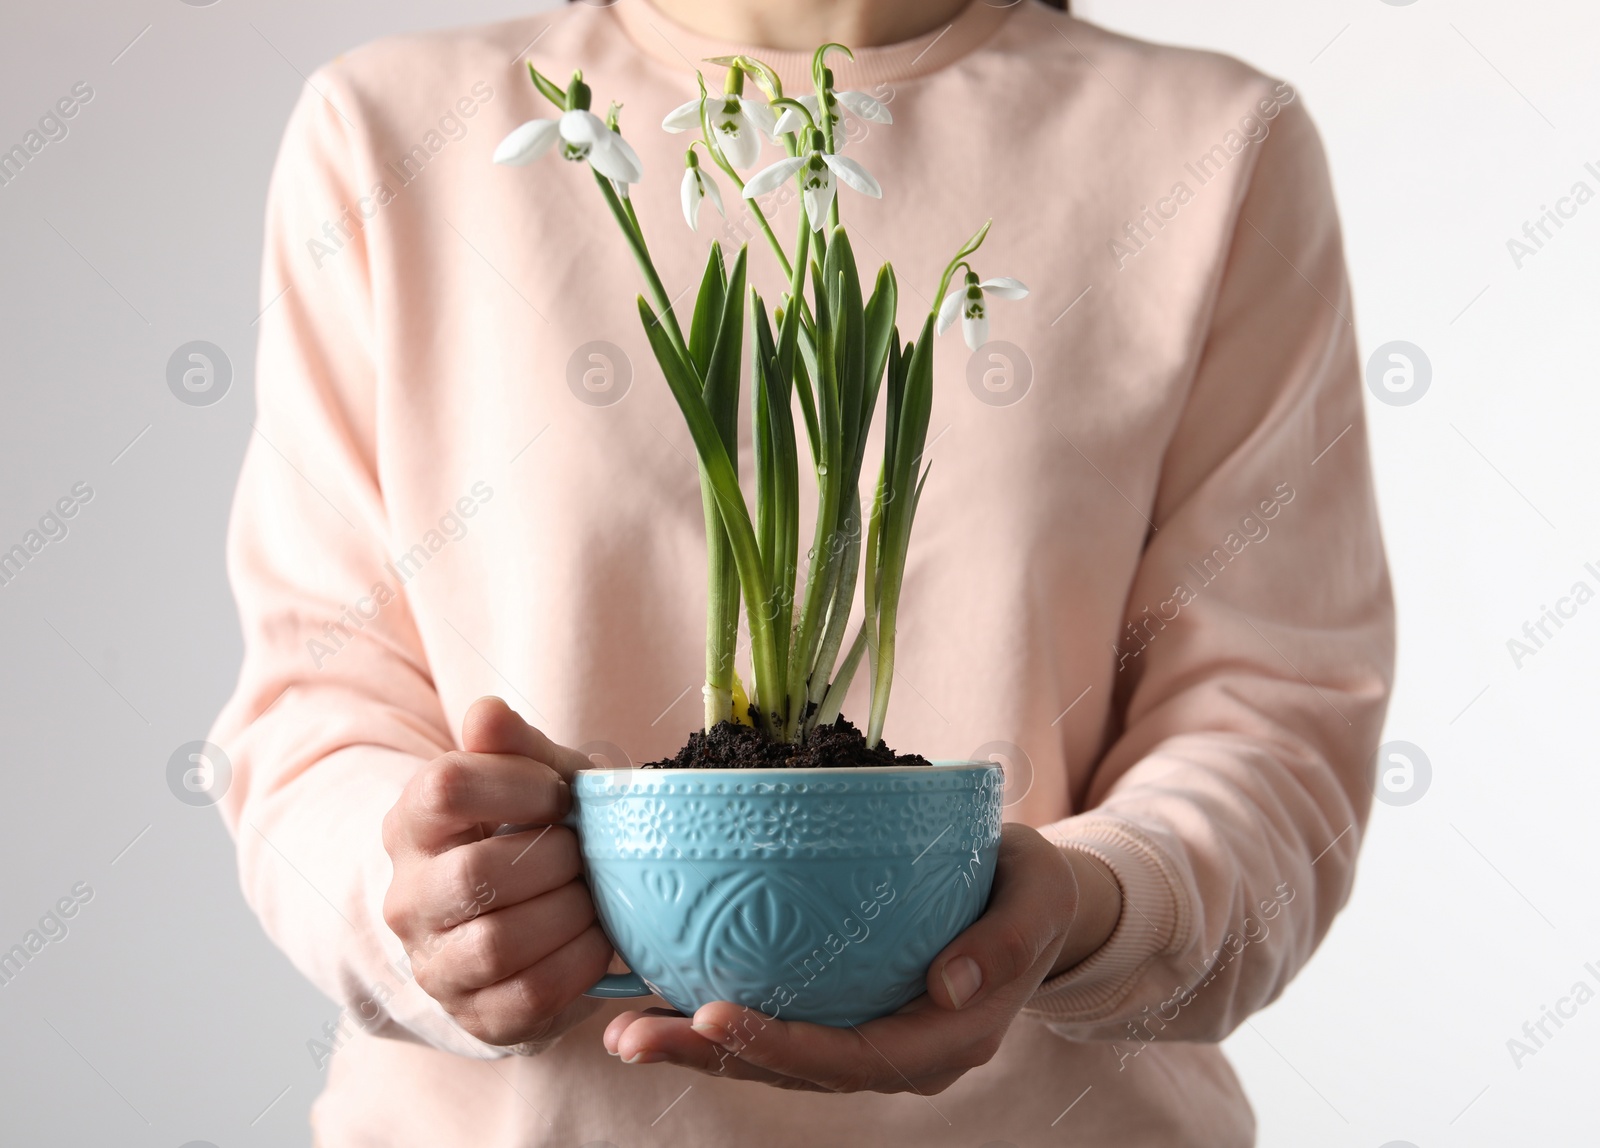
x: 811, y: 894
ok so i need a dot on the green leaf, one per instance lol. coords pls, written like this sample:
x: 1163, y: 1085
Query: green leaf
x: 880, y: 339
x: 722, y: 368
x: 822, y: 561
x: 721, y: 392
x: 762, y: 440
x: 975, y: 242
x: 916, y: 405
x: 777, y: 473
x: 845, y: 283
x: 723, y: 479
x: 551, y: 91
x: 911, y: 409
x: 805, y: 371
x: 967, y: 249
x: 708, y: 311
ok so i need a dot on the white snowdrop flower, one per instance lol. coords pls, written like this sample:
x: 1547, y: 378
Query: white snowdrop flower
x: 737, y: 123
x: 817, y: 181
x: 583, y: 136
x: 698, y: 187
x: 967, y: 301
x: 860, y: 104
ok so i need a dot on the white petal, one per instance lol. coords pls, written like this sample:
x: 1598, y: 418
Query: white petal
x: 759, y: 114
x: 976, y: 331
x: 774, y: 177
x: 683, y: 118
x: 1005, y: 287
x: 864, y: 106
x: 625, y: 149
x: 854, y: 175
x: 949, y: 309
x: 789, y: 121
x: 691, y: 195
x: 793, y: 121
x: 527, y: 143
x: 713, y: 193
x: 818, y: 200
x: 620, y: 188
x: 612, y: 156
x: 581, y: 127
x: 742, y: 148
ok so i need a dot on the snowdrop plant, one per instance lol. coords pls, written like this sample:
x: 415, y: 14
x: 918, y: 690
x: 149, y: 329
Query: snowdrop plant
x: 816, y: 168
x: 737, y: 123
x: 969, y: 304
x: 696, y: 189
x: 583, y: 136
x: 827, y: 346
x: 858, y: 103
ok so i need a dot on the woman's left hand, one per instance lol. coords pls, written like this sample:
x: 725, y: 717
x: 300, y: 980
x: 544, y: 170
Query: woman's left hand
x: 1047, y: 912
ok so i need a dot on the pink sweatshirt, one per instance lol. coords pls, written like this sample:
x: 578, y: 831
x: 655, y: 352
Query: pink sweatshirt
x: 1147, y: 569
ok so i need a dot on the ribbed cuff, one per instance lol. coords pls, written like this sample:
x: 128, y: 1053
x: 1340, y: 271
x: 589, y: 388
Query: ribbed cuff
x: 1156, y: 919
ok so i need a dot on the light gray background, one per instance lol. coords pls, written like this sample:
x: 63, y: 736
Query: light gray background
x: 165, y: 1016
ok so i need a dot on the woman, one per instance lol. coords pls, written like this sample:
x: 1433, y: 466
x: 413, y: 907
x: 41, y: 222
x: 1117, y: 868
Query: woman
x: 1148, y: 568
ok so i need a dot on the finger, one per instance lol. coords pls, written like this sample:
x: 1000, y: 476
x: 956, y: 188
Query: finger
x: 488, y: 949
x: 489, y: 875
x: 521, y: 1006
x: 491, y: 726
x: 648, y: 1038
x: 450, y: 799
x: 615, y: 1027
x: 835, y: 1060
x: 890, y: 1054
x: 1034, y: 892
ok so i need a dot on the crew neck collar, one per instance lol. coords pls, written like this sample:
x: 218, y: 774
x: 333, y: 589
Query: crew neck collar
x: 658, y: 36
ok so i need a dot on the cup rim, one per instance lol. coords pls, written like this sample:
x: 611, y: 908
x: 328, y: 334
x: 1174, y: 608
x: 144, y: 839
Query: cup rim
x: 941, y: 766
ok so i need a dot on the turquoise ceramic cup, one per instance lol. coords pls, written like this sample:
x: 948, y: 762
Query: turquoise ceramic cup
x: 811, y: 894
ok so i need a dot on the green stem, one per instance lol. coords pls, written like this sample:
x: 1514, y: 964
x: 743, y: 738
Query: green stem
x: 722, y: 609
x: 869, y: 586
x: 641, y: 254
x: 828, y: 712
x: 843, y: 595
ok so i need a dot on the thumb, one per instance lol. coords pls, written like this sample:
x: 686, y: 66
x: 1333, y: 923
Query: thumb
x: 491, y: 726
x: 1034, y: 895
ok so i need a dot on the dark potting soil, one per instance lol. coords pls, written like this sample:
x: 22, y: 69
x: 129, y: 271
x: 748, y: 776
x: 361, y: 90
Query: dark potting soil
x: 730, y: 745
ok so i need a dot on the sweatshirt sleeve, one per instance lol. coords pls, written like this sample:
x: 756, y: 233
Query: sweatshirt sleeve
x: 1257, y: 653
x: 335, y: 706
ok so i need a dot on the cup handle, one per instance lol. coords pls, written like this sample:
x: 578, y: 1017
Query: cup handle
x: 613, y: 986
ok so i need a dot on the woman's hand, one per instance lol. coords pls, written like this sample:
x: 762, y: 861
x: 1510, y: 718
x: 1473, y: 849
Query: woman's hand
x: 500, y: 930
x: 1050, y: 909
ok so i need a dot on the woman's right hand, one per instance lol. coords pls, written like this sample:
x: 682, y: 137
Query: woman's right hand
x: 500, y: 930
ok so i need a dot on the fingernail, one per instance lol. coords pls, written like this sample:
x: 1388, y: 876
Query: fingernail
x: 645, y: 1058
x: 716, y: 1034
x: 962, y: 978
